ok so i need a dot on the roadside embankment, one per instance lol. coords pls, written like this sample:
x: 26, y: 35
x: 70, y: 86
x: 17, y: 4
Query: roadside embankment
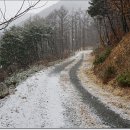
x: 102, y: 92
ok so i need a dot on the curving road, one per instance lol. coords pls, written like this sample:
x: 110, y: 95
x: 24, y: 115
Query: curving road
x: 108, y: 116
x: 55, y: 98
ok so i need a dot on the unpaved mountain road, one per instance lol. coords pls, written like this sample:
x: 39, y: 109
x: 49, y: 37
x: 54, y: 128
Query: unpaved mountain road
x: 55, y: 98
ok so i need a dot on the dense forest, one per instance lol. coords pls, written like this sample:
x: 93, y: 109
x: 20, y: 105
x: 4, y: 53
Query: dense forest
x: 112, y: 62
x: 112, y: 18
x: 64, y: 32
x: 57, y: 36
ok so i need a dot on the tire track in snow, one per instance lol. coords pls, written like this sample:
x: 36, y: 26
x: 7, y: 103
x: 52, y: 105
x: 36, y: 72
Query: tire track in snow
x: 108, y: 116
x: 54, y: 102
x: 60, y: 67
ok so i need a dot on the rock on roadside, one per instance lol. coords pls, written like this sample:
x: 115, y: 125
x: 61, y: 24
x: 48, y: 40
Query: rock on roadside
x: 4, y: 90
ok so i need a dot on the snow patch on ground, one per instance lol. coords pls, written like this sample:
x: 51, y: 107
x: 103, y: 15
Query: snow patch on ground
x: 19, y: 108
x: 48, y: 100
x: 35, y: 104
x: 54, y: 105
x: 77, y: 114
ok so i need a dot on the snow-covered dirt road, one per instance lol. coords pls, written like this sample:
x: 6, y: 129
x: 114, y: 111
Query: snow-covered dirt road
x: 50, y: 99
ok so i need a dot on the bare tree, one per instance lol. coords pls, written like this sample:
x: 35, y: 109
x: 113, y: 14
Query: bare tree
x: 4, y: 22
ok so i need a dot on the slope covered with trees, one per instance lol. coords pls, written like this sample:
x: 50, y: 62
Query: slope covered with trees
x: 41, y: 40
x: 112, y: 18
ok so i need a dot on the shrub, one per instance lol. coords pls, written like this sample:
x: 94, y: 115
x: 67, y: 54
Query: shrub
x: 124, y: 79
x: 102, y: 57
x: 108, y: 73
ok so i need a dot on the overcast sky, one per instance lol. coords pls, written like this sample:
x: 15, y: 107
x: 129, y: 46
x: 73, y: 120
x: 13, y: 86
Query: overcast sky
x: 12, y: 6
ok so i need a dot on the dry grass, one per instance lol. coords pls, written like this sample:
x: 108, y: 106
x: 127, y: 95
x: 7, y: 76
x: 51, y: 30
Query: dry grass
x: 111, y: 87
x: 114, y: 96
x: 108, y: 91
x: 120, y: 56
x: 119, y: 59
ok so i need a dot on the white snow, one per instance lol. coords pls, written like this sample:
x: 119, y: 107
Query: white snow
x: 38, y: 95
x: 39, y: 102
x: 35, y: 104
x: 20, y: 107
x: 55, y: 109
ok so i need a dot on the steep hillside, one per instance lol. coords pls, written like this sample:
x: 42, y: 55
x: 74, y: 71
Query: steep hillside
x: 120, y: 56
x: 117, y: 64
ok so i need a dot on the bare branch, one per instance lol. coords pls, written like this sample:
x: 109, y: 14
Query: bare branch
x: 40, y: 6
x: 19, y: 13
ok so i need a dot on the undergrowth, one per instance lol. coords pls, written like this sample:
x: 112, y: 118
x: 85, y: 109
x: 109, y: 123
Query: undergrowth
x: 124, y: 79
x: 108, y: 73
x: 101, y: 57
